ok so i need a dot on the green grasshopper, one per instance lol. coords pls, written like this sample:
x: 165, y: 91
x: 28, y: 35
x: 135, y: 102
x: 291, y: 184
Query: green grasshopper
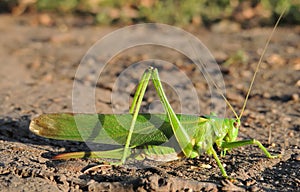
x: 194, y: 134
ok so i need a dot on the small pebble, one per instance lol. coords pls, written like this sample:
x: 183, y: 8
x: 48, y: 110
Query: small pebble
x: 273, y: 144
x: 267, y: 95
x: 51, y: 178
x: 290, y: 49
x: 297, y: 66
x: 298, y: 83
x: 276, y: 58
x: 295, y: 97
x: 46, y: 20
x: 297, y: 157
x: 261, y: 179
x: 42, y: 160
x: 206, y: 166
x: 246, y: 124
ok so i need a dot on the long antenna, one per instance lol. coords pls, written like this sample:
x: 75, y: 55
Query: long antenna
x: 252, y: 81
x: 203, y: 65
x: 260, y: 61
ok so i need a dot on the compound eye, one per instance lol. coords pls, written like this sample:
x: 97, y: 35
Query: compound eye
x: 236, y: 124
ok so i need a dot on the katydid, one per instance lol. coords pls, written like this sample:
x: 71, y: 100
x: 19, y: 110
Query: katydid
x: 194, y: 134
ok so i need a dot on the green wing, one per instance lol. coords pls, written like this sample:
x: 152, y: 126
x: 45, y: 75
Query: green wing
x: 150, y: 129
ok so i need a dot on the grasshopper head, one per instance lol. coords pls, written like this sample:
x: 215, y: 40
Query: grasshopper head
x: 233, y: 130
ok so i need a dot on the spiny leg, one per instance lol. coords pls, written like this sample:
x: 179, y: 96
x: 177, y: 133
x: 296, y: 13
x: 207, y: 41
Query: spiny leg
x: 141, y: 85
x: 181, y: 135
x: 212, y: 151
x: 135, y: 107
x: 235, y: 144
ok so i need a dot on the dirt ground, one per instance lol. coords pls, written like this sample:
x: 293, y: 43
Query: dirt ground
x: 38, y: 65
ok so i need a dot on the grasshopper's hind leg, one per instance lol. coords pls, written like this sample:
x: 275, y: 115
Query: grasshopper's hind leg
x: 135, y: 108
x: 235, y: 144
x: 182, y: 137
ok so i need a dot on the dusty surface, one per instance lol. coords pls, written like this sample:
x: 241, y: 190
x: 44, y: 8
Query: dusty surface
x: 38, y: 65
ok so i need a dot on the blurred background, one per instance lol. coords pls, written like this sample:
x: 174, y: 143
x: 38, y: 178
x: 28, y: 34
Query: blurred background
x: 175, y: 12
